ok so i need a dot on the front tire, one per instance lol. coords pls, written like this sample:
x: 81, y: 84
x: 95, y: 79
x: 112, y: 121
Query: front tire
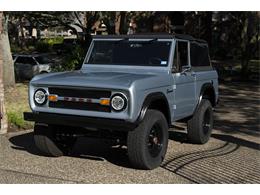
x: 201, y: 123
x: 45, y: 138
x: 147, y: 144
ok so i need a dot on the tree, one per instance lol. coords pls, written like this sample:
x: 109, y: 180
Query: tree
x: 249, y: 40
x: 8, y: 65
x: 199, y: 25
x: 3, y: 117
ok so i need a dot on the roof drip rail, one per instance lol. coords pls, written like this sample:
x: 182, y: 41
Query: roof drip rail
x: 152, y: 36
x: 122, y: 40
x: 153, y: 40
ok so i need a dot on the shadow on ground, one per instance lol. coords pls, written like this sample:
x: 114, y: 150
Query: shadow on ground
x: 87, y: 148
x: 182, y: 138
x: 239, y: 109
x: 222, y: 164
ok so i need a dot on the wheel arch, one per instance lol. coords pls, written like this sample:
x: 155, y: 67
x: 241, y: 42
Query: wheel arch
x: 157, y: 101
x: 208, y: 92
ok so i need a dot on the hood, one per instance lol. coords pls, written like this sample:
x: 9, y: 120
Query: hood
x: 93, y: 79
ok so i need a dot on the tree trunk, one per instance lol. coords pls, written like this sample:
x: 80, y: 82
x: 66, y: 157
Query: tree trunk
x: 3, y: 116
x: 245, y: 47
x: 8, y: 65
x: 122, y: 22
x: 208, y: 28
x: 117, y: 23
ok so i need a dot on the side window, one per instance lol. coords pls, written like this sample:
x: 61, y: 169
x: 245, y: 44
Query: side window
x: 183, y: 53
x: 180, y: 56
x: 175, y: 65
x: 19, y: 60
x: 199, y: 54
x: 26, y: 60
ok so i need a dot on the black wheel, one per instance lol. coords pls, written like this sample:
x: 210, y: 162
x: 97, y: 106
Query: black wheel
x: 200, y: 125
x: 147, y: 144
x: 49, y: 142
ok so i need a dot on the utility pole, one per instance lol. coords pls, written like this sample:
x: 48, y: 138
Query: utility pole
x: 3, y: 117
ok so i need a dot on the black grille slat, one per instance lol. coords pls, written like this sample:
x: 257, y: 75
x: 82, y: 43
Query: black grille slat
x: 79, y: 106
x: 80, y: 93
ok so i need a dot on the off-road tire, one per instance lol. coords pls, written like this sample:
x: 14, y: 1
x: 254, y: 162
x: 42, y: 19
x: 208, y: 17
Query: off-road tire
x: 200, y: 125
x: 138, y: 145
x: 46, y: 141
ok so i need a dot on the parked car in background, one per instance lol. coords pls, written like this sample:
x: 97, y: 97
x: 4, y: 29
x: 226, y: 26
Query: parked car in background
x: 27, y: 66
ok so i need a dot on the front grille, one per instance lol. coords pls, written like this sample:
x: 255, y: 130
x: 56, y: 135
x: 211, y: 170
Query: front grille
x: 80, y: 93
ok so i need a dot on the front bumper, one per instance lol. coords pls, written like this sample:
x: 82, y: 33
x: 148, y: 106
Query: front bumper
x: 79, y: 121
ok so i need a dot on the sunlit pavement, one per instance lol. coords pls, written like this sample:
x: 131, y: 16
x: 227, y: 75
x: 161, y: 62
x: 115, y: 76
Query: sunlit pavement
x: 231, y: 156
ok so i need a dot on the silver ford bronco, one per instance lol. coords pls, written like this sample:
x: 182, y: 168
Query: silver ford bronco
x: 132, y: 88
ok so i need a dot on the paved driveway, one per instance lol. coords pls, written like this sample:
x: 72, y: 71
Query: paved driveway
x: 231, y: 156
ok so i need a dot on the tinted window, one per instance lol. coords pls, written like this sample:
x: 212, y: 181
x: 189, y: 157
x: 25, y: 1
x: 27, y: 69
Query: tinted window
x: 199, y: 54
x: 183, y: 53
x: 175, y: 66
x: 180, y: 56
x: 139, y: 53
x: 42, y: 60
x: 25, y: 60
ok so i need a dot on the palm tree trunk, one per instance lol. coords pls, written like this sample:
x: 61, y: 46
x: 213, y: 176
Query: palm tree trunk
x: 3, y: 117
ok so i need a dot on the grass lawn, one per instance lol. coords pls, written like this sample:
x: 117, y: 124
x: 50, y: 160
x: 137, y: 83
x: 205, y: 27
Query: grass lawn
x: 16, y: 100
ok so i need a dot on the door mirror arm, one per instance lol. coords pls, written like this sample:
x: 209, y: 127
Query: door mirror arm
x: 185, y: 69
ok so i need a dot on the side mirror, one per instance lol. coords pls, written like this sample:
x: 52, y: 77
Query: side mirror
x: 185, y: 69
x: 174, y: 69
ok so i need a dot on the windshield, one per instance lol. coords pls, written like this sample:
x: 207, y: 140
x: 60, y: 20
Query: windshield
x: 136, y: 53
x: 42, y: 60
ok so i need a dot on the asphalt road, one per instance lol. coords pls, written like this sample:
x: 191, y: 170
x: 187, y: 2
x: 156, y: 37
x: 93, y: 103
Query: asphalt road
x: 231, y: 156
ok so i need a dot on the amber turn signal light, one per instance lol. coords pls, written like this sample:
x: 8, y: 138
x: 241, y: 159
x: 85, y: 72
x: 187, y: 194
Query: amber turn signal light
x: 53, y: 98
x: 105, y: 102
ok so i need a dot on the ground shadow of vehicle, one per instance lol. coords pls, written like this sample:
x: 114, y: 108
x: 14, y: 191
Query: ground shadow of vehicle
x: 88, y: 148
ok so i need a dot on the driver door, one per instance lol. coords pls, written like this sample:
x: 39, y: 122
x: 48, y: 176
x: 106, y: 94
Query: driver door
x: 184, y: 81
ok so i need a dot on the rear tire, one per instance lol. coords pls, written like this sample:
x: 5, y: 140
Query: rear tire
x: 45, y: 138
x: 201, y: 123
x: 147, y: 144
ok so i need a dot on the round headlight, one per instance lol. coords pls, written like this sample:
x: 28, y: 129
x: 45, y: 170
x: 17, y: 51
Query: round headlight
x: 40, y: 97
x: 118, y: 102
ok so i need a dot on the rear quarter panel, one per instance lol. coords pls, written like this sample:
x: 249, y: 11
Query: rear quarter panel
x: 207, y: 76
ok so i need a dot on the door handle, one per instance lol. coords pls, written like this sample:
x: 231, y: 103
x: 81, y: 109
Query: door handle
x: 193, y: 74
x: 169, y: 90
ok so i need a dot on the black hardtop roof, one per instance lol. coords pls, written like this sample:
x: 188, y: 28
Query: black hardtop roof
x: 150, y: 36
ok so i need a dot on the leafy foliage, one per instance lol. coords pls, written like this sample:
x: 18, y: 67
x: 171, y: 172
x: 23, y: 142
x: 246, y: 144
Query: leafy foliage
x: 73, y: 61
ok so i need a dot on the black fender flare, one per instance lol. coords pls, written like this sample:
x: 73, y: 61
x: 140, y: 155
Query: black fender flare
x: 147, y: 102
x: 204, y: 87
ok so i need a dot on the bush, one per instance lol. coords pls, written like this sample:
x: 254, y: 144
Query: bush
x: 52, y: 41
x: 73, y: 60
x: 45, y: 45
x: 42, y: 46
